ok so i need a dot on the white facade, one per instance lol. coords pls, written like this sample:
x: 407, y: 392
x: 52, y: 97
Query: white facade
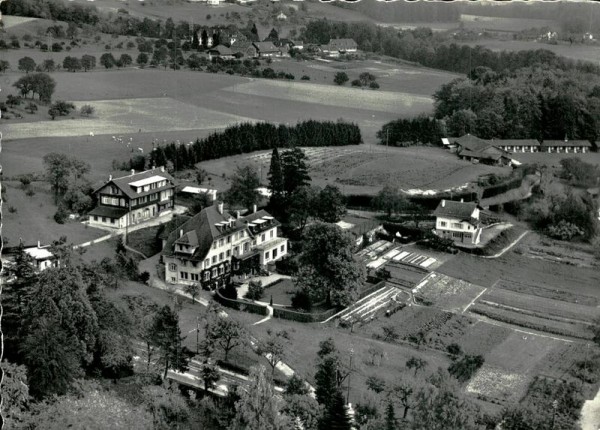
x: 458, y: 230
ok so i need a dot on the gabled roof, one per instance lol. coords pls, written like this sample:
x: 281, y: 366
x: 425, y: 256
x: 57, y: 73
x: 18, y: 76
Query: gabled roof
x: 265, y: 47
x: 452, y: 209
x: 123, y: 182
x: 342, y: 44
x: 221, y: 50
x: 569, y: 143
x: 472, y: 146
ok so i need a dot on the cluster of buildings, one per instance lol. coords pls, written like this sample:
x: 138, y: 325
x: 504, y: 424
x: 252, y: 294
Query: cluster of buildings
x: 499, y: 151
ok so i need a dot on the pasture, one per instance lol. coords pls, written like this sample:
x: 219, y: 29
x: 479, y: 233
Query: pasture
x: 32, y: 218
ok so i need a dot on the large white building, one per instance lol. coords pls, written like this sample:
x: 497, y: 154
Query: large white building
x: 213, y: 245
x: 458, y: 221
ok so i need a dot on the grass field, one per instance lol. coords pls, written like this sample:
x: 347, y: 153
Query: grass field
x: 448, y: 293
x: 33, y: 220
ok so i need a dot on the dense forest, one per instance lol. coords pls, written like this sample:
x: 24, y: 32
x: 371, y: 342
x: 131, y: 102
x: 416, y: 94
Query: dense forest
x: 245, y: 138
x: 532, y: 102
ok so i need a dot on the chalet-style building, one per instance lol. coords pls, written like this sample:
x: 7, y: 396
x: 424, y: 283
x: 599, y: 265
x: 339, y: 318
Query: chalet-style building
x: 132, y: 199
x: 220, y: 51
x: 472, y: 148
x: 214, y: 245
x: 566, y: 146
x: 517, y: 145
x: 244, y: 49
x: 336, y: 47
x: 458, y: 221
x: 266, y: 49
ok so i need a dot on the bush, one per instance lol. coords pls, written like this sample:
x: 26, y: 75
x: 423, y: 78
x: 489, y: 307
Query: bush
x: 12, y: 209
x: 87, y: 110
x: 61, y: 215
x: 255, y: 290
x: 229, y: 292
x: 356, y: 83
x: 454, y: 349
x: 60, y: 108
x: 374, y: 85
x: 30, y: 192
x: 144, y: 277
x: 305, y: 78
x: 466, y: 367
x: 57, y: 47
x: 564, y: 230
x: 340, y: 78
x: 302, y: 300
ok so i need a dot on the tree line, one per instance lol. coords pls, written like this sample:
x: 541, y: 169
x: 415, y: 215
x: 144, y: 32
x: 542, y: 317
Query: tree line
x: 248, y: 137
x: 429, y: 49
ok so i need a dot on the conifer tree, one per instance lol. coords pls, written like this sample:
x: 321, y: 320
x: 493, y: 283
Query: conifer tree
x: 295, y: 170
x: 336, y: 415
x: 275, y: 177
x: 166, y: 335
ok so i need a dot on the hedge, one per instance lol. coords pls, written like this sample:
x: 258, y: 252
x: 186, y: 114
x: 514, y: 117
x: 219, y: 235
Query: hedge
x: 371, y: 290
x: 494, y: 190
x: 287, y: 314
x: 241, y: 305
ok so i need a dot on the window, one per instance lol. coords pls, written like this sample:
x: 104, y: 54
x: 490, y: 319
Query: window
x: 246, y: 246
x: 271, y: 233
x: 206, y: 263
x: 95, y: 218
x: 221, y: 242
x: 207, y: 275
x: 228, y: 253
x: 236, y: 250
x: 214, y: 272
x: 282, y: 249
x: 275, y: 253
x: 221, y: 270
x: 103, y: 219
x: 467, y: 236
x: 183, y: 275
x: 214, y: 245
x: 228, y: 239
x: 194, y: 276
x: 443, y: 223
x: 267, y: 255
x: 214, y: 259
x: 221, y: 256
x: 457, y: 225
x: 172, y: 267
x: 242, y: 233
x: 456, y: 234
x: 173, y: 279
x: 112, y: 220
x: 262, y: 237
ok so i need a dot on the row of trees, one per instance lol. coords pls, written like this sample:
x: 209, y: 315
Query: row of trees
x: 247, y: 137
x: 36, y: 83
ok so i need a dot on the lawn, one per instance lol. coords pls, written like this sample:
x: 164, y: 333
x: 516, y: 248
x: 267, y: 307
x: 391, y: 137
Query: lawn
x: 145, y: 241
x: 31, y: 218
x: 281, y: 292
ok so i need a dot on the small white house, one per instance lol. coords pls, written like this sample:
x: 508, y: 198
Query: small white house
x: 42, y: 257
x: 211, y: 192
x: 458, y: 221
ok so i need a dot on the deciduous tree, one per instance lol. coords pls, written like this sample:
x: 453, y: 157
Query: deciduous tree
x: 243, y: 189
x: 166, y: 336
x: 27, y: 64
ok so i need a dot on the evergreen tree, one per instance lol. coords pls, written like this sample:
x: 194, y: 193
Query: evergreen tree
x: 195, y: 41
x: 204, y: 40
x: 275, y: 178
x: 336, y: 415
x: 295, y: 170
x: 166, y: 335
x: 254, y: 32
x: 391, y: 423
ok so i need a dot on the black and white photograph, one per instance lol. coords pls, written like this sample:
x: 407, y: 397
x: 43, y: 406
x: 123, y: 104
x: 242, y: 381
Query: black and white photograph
x: 300, y: 215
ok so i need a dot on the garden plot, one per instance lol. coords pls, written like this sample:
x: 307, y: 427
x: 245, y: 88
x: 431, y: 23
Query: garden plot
x: 367, y: 307
x: 482, y: 337
x: 448, y: 293
x: 128, y: 116
x: 497, y: 383
x: 541, y: 306
x: 380, y: 101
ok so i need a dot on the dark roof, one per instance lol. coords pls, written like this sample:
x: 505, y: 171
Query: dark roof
x: 241, y: 45
x: 472, y: 146
x: 569, y: 143
x: 123, y: 182
x: 108, y: 211
x: 516, y: 142
x: 265, y: 47
x: 256, y: 215
x: 342, y: 44
x: 172, y: 225
x: 453, y: 209
x: 221, y: 50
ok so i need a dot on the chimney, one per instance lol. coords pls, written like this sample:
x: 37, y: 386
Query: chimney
x: 110, y: 177
x: 220, y: 208
x: 253, y: 209
x: 162, y: 169
x: 39, y: 244
x: 443, y: 203
x: 132, y: 172
x: 180, y: 233
x: 237, y: 214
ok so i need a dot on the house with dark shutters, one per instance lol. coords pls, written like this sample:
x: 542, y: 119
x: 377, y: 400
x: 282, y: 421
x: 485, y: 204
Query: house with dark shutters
x: 214, y: 245
x: 133, y: 199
